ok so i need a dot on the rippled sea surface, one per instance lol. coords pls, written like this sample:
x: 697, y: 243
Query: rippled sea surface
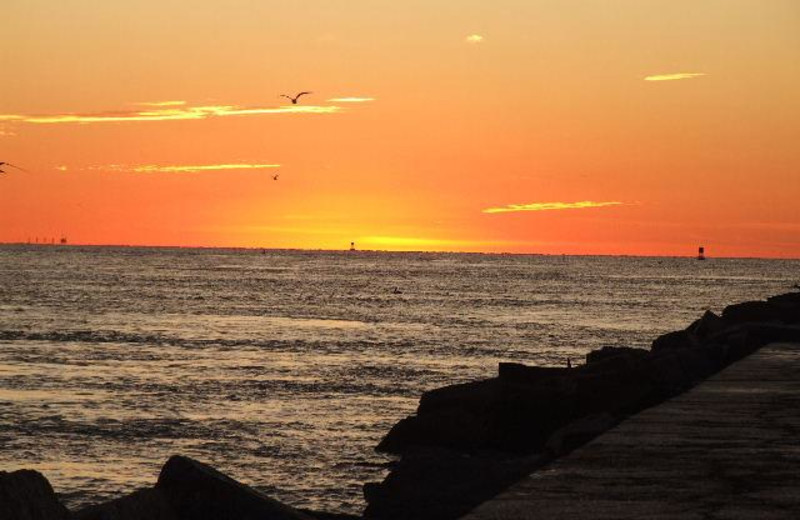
x: 285, y: 368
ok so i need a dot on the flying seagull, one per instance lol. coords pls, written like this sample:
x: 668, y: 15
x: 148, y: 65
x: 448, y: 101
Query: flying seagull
x: 294, y: 99
x: 9, y: 164
x: 275, y: 177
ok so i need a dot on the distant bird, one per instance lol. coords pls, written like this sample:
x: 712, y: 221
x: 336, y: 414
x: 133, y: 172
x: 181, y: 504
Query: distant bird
x: 294, y: 99
x: 275, y: 177
x: 9, y: 164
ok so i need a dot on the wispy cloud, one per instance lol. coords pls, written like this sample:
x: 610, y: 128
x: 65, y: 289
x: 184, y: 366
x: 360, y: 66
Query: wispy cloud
x: 158, y: 168
x: 162, y: 103
x: 351, y: 100
x: 169, y: 114
x: 6, y: 133
x: 674, y: 76
x: 550, y: 206
x: 474, y: 38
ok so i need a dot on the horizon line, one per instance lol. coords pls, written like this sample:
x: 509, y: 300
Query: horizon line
x: 347, y: 250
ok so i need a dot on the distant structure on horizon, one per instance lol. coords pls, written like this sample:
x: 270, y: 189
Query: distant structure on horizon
x: 352, y: 246
x: 701, y: 253
x: 63, y: 241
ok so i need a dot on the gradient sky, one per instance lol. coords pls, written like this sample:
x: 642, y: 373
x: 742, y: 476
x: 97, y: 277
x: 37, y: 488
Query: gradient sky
x: 589, y: 127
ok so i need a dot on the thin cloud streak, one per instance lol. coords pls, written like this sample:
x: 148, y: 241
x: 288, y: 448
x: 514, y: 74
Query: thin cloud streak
x: 169, y: 114
x: 474, y: 38
x: 156, y: 168
x: 551, y: 206
x: 675, y: 76
x: 351, y: 100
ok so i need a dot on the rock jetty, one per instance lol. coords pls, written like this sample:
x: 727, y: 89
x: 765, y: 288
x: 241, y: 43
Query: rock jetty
x: 186, y: 490
x: 469, y: 441
x: 466, y: 442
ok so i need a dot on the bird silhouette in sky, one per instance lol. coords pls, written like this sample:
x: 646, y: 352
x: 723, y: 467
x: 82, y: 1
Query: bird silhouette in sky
x: 294, y: 99
x: 275, y: 177
x: 4, y: 164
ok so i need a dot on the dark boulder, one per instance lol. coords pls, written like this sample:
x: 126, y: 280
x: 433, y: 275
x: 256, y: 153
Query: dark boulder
x: 517, y: 373
x: 578, y: 433
x: 197, y: 491
x: 603, y: 354
x: 618, y: 393
x: 438, y: 484
x: 792, y: 298
x: 674, y: 341
x: 788, y: 305
x: 666, y: 373
x: 707, y: 326
x: 697, y: 363
x: 145, y: 504
x: 27, y: 495
x: 473, y: 396
x: 452, y: 427
x: 747, y: 312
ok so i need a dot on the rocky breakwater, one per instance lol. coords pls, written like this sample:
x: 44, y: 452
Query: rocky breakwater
x: 467, y: 442
x: 186, y: 490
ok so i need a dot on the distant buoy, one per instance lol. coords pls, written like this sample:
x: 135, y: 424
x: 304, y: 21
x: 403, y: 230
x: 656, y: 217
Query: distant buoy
x: 701, y: 253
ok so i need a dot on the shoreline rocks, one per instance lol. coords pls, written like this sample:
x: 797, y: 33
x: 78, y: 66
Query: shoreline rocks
x: 27, y: 495
x: 538, y: 414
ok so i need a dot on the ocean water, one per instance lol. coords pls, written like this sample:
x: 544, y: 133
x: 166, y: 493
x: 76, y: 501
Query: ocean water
x: 285, y: 368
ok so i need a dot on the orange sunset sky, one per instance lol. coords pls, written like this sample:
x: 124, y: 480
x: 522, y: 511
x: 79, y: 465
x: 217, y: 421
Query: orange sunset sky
x: 530, y: 126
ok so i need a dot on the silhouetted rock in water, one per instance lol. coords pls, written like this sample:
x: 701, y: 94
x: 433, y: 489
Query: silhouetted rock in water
x: 792, y: 298
x: 473, y: 396
x: 708, y: 325
x: 197, y: 491
x: 788, y: 305
x: 452, y: 428
x: 528, y: 375
x: 676, y: 340
x: 190, y: 490
x: 433, y: 484
x: 27, y: 495
x: 763, y: 312
x: 605, y: 353
x: 145, y: 504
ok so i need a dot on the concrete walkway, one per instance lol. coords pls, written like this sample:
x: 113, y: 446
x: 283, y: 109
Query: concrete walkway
x: 728, y: 449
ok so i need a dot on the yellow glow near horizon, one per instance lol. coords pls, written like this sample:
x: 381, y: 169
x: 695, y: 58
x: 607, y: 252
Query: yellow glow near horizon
x: 549, y: 206
x: 392, y: 242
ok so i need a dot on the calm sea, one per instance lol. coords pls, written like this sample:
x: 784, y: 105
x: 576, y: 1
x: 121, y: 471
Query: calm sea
x: 285, y: 368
